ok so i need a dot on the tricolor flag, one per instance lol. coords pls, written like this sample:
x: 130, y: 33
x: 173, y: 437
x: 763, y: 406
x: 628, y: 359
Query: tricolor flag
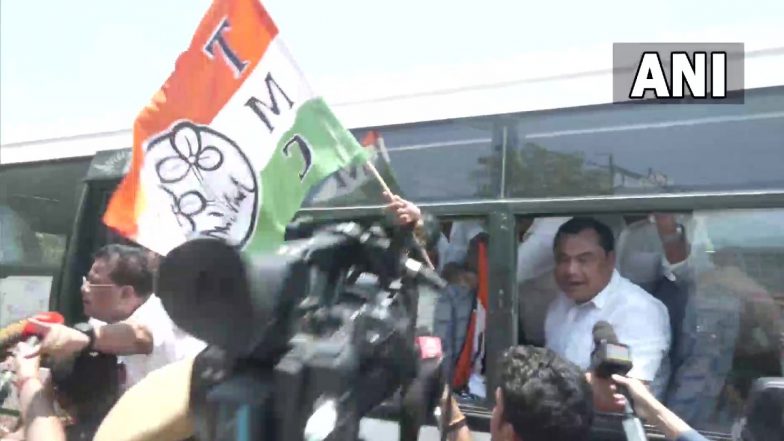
x: 356, y: 185
x: 231, y: 143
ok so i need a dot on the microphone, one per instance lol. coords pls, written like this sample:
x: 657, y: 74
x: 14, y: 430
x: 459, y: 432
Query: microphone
x: 611, y: 357
x: 14, y: 333
x: 19, y: 330
x: 421, y: 396
x: 423, y: 273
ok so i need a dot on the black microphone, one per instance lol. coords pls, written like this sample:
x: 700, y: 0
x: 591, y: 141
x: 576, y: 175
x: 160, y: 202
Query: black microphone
x: 611, y: 357
x: 422, y: 273
x: 422, y: 395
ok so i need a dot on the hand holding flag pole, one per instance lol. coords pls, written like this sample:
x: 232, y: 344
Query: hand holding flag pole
x: 402, y: 208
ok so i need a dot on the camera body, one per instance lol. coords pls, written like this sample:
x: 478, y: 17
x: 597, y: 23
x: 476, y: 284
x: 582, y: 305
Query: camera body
x: 299, y: 349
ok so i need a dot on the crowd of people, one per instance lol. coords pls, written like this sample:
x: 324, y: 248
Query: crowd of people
x: 688, y: 312
x: 544, y: 393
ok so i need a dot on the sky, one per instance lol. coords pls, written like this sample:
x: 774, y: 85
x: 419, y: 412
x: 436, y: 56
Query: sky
x: 74, y: 66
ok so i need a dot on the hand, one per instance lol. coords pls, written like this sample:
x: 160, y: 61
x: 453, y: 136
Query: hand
x: 644, y: 401
x: 27, y: 363
x: 605, y: 394
x: 665, y: 223
x: 448, y: 402
x: 405, y: 211
x: 59, y: 341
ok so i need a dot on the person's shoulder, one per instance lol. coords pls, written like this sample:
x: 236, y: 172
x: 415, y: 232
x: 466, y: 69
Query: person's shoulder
x: 634, y: 296
x: 152, y: 313
x: 152, y: 306
x: 634, y: 292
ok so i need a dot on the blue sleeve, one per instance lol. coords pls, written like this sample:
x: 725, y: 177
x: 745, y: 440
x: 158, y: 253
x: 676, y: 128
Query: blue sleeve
x: 691, y: 435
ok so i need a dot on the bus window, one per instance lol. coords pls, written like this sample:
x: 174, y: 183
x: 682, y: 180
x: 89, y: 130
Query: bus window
x: 718, y: 276
x: 459, y: 312
x: 37, y: 208
x: 18, y: 243
x: 25, y: 282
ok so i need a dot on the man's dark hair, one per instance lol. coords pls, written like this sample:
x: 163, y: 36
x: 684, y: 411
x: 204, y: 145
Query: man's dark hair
x: 576, y: 225
x: 91, y: 384
x: 545, y: 398
x: 129, y: 267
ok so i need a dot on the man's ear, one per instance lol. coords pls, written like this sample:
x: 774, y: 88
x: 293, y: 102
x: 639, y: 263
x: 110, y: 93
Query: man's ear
x: 127, y: 292
x: 611, y: 257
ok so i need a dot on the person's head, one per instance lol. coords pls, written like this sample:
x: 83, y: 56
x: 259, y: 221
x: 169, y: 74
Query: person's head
x: 584, y: 251
x: 119, y: 281
x: 472, y: 253
x: 87, y: 386
x: 541, y: 397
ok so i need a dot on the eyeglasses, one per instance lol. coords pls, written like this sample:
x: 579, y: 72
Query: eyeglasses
x: 89, y: 285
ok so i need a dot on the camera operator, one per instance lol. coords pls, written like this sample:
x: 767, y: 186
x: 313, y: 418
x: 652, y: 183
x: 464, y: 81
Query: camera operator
x: 85, y: 388
x: 541, y: 397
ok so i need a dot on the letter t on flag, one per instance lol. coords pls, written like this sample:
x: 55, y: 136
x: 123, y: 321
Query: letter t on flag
x: 231, y: 143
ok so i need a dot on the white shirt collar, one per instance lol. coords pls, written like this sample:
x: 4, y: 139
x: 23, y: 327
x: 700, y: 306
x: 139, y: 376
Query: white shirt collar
x: 605, y: 295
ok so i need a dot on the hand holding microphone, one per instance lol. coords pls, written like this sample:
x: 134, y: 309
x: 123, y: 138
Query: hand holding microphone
x: 23, y: 336
x: 611, y: 359
x: 58, y: 341
x: 29, y: 328
x: 608, y: 357
x: 644, y: 401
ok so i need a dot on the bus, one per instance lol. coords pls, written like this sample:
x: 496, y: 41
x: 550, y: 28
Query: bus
x: 500, y: 157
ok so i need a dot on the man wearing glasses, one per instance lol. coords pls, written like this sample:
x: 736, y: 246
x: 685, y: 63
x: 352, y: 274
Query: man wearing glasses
x: 127, y: 318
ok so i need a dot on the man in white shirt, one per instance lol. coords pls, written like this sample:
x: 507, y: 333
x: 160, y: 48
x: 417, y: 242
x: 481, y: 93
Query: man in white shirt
x: 592, y: 290
x: 127, y: 319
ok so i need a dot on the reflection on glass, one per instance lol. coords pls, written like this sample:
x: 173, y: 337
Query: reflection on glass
x: 648, y: 149
x: 18, y: 243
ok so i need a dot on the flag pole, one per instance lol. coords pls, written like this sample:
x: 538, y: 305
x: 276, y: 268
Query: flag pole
x: 384, y: 185
x: 378, y: 177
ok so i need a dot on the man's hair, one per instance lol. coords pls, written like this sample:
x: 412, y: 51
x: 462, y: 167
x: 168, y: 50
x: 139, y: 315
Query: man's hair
x: 90, y: 382
x: 576, y: 225
x: 545, y: 398
x: 129, y: 266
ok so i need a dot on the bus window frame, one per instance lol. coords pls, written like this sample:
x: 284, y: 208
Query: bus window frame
x: 607, y: 424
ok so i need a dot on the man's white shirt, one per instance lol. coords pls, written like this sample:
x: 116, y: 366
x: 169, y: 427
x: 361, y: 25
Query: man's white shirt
x: 640, y: 321
x: 170, y: 343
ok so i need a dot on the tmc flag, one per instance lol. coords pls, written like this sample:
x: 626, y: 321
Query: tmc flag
x: 357, y: 185
x: 232, y: 142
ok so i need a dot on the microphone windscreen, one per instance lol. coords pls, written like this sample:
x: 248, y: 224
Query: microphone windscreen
x: 51, y: 317
x: 154, y: 409
x: 603, y: 331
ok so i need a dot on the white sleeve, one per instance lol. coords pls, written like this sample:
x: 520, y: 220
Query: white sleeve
x: 153, y: 316
x: 645, y: 329
x: 534, y: 258
x: 187, y: 345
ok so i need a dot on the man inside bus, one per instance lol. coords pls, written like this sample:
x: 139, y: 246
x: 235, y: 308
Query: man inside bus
x: 127, y: 318
x: 593, y: 290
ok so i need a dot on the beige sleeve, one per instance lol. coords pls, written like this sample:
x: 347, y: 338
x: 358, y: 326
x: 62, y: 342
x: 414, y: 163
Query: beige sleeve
x: 156, y: 408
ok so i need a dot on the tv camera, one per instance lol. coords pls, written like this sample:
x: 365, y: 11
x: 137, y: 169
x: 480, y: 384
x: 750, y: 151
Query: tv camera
x: 308, y: 340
